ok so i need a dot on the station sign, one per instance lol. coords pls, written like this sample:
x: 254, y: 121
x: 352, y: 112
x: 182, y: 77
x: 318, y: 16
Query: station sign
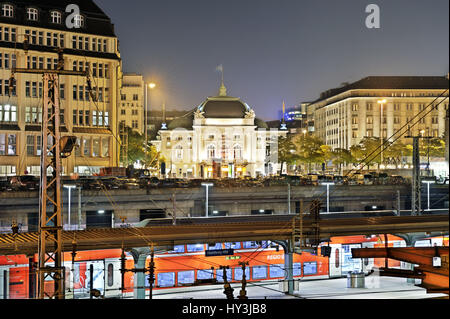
x: 219, y: 252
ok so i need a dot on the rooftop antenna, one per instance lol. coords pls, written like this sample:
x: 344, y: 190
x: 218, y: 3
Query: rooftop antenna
x: 283, y: 123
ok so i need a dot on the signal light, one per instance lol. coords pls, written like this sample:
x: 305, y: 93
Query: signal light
x: 67, y: 144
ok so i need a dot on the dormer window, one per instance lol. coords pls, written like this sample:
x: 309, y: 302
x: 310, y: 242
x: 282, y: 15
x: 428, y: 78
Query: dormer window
x: 56, y: 17
x: 32, y: 14
x: 79, y: 21
x: 7, y: 10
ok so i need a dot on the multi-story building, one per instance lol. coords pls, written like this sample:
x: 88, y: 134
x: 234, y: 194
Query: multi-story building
x: 221, y: 138
x: 380, y: 106
x: 31, y: 32
x: 131, y: 108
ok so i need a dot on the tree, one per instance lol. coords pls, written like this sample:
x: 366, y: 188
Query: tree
x: 286, y: 151
x: 310, y: 150
x: 341, y: 156
x: 137, y: 151
x: 367, y: 151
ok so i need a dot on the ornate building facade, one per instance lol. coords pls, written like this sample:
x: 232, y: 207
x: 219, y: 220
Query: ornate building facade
x: 221, y: 138
x: 31, y: 33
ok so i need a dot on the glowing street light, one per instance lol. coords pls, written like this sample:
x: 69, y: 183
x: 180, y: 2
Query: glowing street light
x: 207, y: 185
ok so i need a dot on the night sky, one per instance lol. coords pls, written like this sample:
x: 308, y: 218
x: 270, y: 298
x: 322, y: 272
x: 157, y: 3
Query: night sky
x: 274, y: 50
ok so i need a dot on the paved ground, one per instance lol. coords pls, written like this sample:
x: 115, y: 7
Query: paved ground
x: 376, y: 288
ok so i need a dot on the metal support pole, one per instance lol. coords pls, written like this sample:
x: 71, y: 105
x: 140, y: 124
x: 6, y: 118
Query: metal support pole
x: 289, y: 198
x: 79, y: 208
x: 328, y: 198
x: 68, y: 212
x: 398, y: 203
x: 416, y: 185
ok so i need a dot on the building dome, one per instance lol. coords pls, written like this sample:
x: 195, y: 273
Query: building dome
x: 224, y: 108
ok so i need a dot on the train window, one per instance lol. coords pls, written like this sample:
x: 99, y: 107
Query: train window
x: 166, y: 279
x: 238, y: 273
x: 250, y: 244
x: 259, y: 272
x: 337, y: 258
x: 205, y: 274
x: 220, y: 275
x: 110, y: 275
x: 177, y: 249
x: 195, y: 248
x: 297, y: 269
x: 217, y: 246
x: 186, y: 277
x: 236, y: 245
x: 277, y: 271
x: 310, y: 268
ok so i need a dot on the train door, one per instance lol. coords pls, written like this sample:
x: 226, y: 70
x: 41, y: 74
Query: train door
x: 112, y: 277
x: 98, y: 275
x: 367, y: 263
x: 335, y: 261
x: 348, y: 263
x: 4, y: 283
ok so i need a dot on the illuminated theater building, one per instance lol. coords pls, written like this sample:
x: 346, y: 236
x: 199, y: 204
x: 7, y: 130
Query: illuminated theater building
x: 221, y: 138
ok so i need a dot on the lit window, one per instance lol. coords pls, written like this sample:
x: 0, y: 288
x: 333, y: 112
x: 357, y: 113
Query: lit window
x: 56, y: 17
x: 32, y: 14
x: 78, y: 21
x: 7, y: 10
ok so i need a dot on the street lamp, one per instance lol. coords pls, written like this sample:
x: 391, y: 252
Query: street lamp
x: 328, y: 184
x: 428, y: 192
x: 150, y: 86
x: 69, y: 187
x: 207, y: 185
x: 381, y: 102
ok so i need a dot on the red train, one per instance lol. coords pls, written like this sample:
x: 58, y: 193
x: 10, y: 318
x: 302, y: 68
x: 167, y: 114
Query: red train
x: 187, y: 265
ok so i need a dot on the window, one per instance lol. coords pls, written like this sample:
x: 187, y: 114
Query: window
x: 249, y: 244
x: 355, y: 107
x: 33, y: 145
x: 297, y: 269
x: 216, y: 246
x: 194, y: 248
x: 8, y: 144
x: 75, y: 96
x: 310, y: 268
x: 186, y: 277
x: 237, y: 152
x: 96, y: 147
x: 205, y: 274
x: 277, y: 271
x: 219, y: 274
x: 236, y: 245
x: 8, y: 113
x: 86, y: 118
x: 177, y: 249
x: 56, y: 17
x: 369, y: 120
x: 86, y: 43
x: 238, y: 273
x: 179, y: 152
x: 211, y: 151
x: 7, y: 170
x: 62, y: 91
x: 165, y: 279
x: 32, y: 14
x: 259, y: 272
x: 86, y: 146
x: 7, y: 10
x: 61, y: 40
x: 110, y: 275
x: 78, y: 21
x: 369, y: 107
x: 105, y: 149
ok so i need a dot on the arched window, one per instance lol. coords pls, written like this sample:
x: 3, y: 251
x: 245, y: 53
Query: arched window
x: 56, y: 17
x: 32, y: 14
x: 237, y: 152
x: 211, y: 151
x: 7, y: 10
